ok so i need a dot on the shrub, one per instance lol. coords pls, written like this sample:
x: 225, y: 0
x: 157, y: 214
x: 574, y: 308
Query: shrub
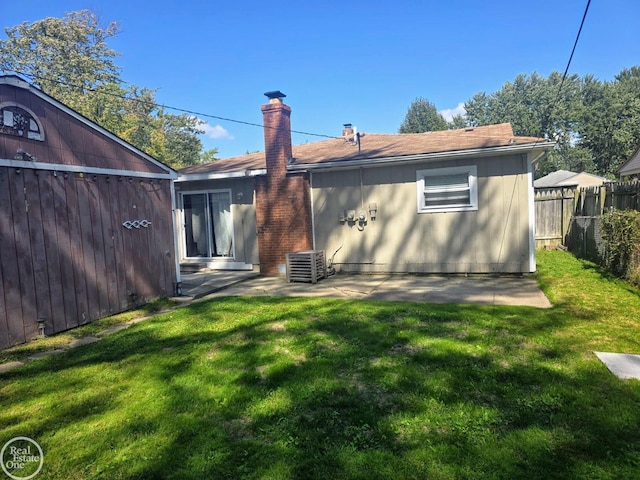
x: 621, y: 234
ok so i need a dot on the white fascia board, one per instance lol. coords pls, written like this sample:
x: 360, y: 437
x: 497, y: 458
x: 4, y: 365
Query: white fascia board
x: 58, y: 167
x: 17, y: 82
x: 425, y: 157
x: 193, y: 177
x: 174, y: 224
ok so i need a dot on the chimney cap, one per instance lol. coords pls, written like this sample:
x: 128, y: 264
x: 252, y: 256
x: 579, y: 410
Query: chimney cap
x: 276, y: 94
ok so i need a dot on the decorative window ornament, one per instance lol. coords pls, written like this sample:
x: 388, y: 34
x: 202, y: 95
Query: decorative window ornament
x: 20, y: 122
x: 131, y: 224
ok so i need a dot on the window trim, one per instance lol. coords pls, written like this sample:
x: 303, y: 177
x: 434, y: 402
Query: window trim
x: 470, y: 170
x: 183, y: 246
x: 33, y: 116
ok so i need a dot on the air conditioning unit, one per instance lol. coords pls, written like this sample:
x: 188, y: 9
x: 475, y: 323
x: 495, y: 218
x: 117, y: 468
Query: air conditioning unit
x: 306, y: 266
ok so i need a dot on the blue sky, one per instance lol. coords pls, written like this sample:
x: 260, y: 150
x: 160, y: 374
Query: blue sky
x: 345, y: 62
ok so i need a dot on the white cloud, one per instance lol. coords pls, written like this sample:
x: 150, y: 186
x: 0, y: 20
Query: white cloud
x: 215, y: 131
x: 449, y: 113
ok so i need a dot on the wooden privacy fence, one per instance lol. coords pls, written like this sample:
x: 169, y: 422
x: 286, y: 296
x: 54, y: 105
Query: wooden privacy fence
x: 553, y: 208
x: 571, y: 217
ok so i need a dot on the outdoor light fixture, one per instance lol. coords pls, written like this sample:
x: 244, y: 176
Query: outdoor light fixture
x: 41, y: 322
x: 373, y: 210
x: 22, y: 155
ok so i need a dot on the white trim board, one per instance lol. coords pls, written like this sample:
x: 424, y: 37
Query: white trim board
x: 58, y: 167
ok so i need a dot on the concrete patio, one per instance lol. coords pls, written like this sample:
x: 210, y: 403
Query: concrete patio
x: 473, y: 289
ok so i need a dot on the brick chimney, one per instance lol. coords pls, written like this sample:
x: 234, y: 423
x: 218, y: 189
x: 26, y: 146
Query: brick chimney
x: 283, y: 201
x: 276, y: 118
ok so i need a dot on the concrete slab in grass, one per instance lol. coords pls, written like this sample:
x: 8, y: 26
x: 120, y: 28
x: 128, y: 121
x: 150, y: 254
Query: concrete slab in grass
x: 78, y: 342
x: 48, y: 353
x: 622, y: 365
x: 7, y: 367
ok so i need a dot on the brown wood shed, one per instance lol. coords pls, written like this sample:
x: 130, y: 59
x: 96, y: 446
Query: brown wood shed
x: 86, y: 224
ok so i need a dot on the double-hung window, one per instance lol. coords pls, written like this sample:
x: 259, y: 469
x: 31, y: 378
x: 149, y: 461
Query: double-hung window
x: 451, y: 189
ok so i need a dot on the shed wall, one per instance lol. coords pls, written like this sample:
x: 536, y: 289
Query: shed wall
x: 495, y: 238
x: 65, y: 255
x: 68, y: 140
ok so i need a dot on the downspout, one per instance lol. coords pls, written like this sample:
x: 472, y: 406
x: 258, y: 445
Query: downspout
x: 176, y: 253
x: 532, y: 216
x: 313, y: 219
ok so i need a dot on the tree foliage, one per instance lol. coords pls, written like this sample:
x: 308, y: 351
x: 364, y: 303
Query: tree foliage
x: 69, y: 59
x: 596, y: 125
x: 610, y: 129
x: 421, y: 117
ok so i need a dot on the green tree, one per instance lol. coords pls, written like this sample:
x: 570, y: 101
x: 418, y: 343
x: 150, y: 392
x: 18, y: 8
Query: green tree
x: 65, y: 57
x: 596, y: 125
x: 421, y: 117
x: 458, y: 121
x: 176, y: 137
x: 69, y: 59
x: 209, y: 156
x: 610, y: 127
x: 537, y: 106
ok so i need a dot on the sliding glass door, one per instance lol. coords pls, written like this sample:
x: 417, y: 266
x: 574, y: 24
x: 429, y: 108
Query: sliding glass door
x: 208, y: 227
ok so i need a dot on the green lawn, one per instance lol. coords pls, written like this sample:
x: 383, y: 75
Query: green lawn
x: 275, y: 388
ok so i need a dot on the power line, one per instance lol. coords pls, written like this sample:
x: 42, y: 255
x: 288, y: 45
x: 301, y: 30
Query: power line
x: 178, y: 109
x: 566, y: 70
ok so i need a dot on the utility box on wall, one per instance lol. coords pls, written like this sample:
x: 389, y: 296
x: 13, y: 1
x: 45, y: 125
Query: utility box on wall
x: 306, y: 266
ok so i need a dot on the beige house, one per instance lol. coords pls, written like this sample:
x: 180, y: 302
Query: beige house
x: 457, y: 201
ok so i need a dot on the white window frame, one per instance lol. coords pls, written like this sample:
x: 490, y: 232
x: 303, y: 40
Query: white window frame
x: 31, y: 134
x: 183, y: 247
x: 470, y: 170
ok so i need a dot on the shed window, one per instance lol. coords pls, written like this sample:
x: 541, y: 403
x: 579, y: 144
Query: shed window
x: 17, y: 121
x: 447, y: 189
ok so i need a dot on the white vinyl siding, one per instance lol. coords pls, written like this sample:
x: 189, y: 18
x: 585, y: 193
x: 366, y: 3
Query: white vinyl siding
x: 451, y: 189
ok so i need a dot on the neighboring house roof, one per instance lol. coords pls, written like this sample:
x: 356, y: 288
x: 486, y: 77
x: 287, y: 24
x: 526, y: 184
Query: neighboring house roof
x: 631, y: 166
x: 565, y: 178
x: 375, y: 147
x: 553, y: 179
x: 15, y: 81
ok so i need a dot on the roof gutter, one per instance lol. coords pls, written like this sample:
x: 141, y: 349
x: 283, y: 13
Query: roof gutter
x: 426, y: 157
x: 249, y: 172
